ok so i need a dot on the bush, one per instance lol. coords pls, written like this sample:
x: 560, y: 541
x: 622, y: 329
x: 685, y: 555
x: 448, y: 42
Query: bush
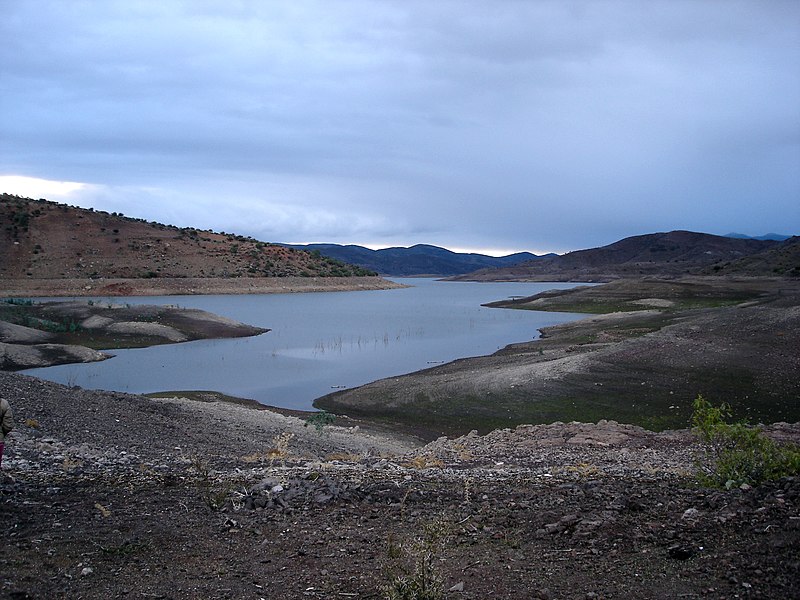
x: 737, y: 453
x: 19, y: 301
x: 320, y: 419
x: 416, y: 575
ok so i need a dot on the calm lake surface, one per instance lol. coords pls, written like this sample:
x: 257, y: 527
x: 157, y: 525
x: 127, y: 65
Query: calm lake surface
x: 320, y: 342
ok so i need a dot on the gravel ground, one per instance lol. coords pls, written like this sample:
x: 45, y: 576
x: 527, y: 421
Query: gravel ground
x: 122, y: 496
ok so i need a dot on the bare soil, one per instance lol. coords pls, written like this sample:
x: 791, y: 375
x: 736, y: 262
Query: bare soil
x: 121, y: 496
x: 184, y: 286
x: 46, y: 240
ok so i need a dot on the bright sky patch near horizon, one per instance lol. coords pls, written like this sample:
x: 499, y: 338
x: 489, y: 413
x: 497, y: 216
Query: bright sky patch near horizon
x: 494, y: 126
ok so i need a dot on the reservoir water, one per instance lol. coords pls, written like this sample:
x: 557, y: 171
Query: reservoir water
x: 320, y: 342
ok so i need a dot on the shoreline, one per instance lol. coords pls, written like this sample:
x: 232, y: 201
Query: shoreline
x: 173, y: 286
x: 644, y: 351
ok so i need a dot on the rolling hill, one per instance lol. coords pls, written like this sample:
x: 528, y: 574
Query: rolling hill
x: 421, y: 259
x: 657, y: 254
x: 46, y: 240
x: 782, y: 260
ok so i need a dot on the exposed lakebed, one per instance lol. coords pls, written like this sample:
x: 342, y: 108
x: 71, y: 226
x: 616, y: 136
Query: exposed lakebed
x: 319, y: 342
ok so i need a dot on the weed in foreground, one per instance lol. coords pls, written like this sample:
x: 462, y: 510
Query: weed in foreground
x: 214, y: 493
x: 413, y: 572
x: 280, y: 447
x: 737, y: 453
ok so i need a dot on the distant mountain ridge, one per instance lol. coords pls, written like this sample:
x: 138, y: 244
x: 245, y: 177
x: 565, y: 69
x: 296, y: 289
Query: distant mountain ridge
x: 673, y: 253
x: 777, y: 237
x: 46, y: 240
x: 421, y: 259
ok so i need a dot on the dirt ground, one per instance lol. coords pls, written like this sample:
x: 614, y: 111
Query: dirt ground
x: 121, y: 496
x: 166, y: 286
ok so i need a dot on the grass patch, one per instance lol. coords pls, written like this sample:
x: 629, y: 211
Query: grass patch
x: 655, y: 398
x: 197, y: 395
x: 589, y: 307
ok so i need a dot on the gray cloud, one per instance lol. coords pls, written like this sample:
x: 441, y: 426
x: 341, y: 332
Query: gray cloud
x: 510, y: 124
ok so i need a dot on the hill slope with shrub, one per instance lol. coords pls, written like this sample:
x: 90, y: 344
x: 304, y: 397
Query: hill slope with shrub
x: 656, y: 254
x: 782, y: 260
x: 46, y: 240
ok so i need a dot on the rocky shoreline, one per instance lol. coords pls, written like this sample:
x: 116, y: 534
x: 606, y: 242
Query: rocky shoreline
x: 120, y: 496
x: 49, y: 333
x: 166, y: 286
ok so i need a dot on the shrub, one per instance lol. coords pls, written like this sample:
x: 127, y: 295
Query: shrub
x: 416, y: 575
x: 320, y: 419
x: 737, y: 453
x: 19, y: 301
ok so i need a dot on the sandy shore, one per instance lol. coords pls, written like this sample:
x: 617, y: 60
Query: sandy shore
x: 12, y: 288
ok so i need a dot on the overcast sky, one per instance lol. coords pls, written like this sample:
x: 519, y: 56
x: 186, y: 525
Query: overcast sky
x: 493, y: 125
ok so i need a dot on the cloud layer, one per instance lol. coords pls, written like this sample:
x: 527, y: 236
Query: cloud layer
x: 514, y: 124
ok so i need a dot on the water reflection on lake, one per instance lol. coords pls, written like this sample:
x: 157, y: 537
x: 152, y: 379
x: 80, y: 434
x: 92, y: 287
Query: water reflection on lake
x: 320, y: 342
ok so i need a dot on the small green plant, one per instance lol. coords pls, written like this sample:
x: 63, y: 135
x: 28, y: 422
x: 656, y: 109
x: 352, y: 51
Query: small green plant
x: 213, y: 492
x: 128, y: 548
x: 320, y: 419
x: 415, y: 575
x: 19, y: 301
x: 737, y: 453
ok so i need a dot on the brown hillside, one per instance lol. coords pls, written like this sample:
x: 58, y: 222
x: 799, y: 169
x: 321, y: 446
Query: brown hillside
x: 45, y: 240
x: 657, y: 254
x: 781, y: 260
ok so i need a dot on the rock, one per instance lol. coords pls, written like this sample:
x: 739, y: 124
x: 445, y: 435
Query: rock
x: 691, y: 515
x: 553, y: 528
x: 619, y: 503
x: 459, y: 587
x: 680, y: 552
x: 96, y: 322
x: 568, y: 520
